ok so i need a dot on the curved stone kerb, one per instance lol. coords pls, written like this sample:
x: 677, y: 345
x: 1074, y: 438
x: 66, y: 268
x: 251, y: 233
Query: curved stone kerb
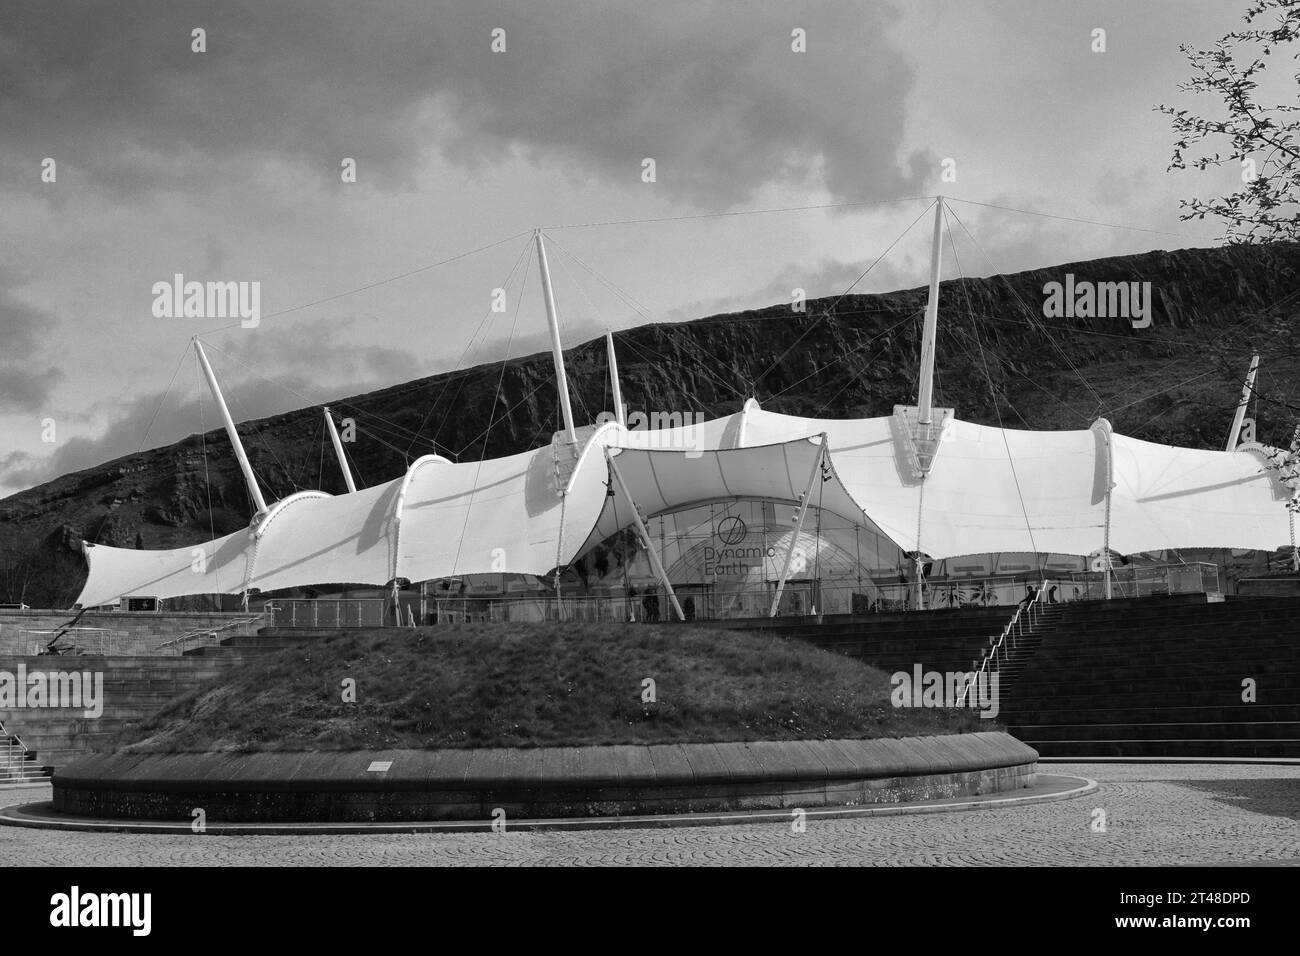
x: 563, y: 781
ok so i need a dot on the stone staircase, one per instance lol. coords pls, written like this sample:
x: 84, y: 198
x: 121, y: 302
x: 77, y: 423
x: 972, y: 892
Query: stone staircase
x: 1161, y: 677
x: 1025, y: 642
x: 18, y: 762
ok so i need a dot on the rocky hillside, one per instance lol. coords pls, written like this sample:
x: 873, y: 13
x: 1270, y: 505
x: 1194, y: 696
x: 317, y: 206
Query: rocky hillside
x: 999, y: 360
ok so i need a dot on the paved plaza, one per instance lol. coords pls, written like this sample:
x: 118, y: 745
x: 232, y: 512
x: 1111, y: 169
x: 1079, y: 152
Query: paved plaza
x: 1154, y: 814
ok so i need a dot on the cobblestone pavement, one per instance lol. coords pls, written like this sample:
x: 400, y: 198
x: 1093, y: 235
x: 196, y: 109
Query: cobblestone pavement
x: 1153, y: 814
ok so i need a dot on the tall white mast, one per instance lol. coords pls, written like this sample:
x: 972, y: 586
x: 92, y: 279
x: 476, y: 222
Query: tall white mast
x: 338, y: 451
x: 244, y: 466
x: 926, y: 390
x: 1246, y: 391
x: 613, y: 379
x: 801, y: 511
x: 557, y: 353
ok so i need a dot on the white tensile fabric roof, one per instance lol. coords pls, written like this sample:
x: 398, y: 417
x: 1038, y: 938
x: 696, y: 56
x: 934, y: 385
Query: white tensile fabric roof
x: 989, y: 490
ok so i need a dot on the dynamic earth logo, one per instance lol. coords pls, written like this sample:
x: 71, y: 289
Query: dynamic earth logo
x: 732, y: 530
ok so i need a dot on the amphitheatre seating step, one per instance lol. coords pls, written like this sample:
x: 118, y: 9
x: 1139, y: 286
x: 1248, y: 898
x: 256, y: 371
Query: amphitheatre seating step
x: 1109, y: 703
x: 1179, y: 671
x: 1267, y: 648
x: 1155, y: 676
x: 1172, y: 747
x: 1244, y: 730
x: 1048, y: 713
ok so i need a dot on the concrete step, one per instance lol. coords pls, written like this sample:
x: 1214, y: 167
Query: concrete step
x: 1172, y: 747
x: 1243, y: 730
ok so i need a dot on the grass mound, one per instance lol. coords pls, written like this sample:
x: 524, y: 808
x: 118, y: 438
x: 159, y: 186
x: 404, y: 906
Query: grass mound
x: 541, y: 685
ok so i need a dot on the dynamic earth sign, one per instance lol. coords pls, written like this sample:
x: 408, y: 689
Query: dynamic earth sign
x: 736, y: 562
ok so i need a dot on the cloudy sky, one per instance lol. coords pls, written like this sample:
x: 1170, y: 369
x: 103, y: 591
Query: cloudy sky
x: 227, y: 165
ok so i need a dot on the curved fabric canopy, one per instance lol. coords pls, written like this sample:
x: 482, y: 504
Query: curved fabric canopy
x: 666, y: 480
x: 990, y: 489
x: 987, y: 490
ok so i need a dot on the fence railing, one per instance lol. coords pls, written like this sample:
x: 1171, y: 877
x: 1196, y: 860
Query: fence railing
x: 73, y: 640
x: 1130, y: 581
x: 201, y: 637
x: 706, y: 603
x: 330, y: 612
x: 800, y: 598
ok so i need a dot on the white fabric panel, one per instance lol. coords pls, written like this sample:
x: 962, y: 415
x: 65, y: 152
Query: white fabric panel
x: 971, y: 501
x: 867, y: 457
x: 497, y: 515
x: 989, y: 487
x: 712, y: 434
x: 1188, y: 498
x: 346, y: 539
x: 121, y: 572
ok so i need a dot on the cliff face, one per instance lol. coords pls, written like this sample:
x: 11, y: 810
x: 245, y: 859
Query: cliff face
x: 999, y: 360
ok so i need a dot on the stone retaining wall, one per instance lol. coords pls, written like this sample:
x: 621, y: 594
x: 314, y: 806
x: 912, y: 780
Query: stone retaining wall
x: 138, y: 632
x: 542, y: 782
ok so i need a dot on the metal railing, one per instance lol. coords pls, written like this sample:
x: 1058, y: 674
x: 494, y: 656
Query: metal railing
x: 15, y: 752
x: 1131, y: 581
x: 1004, y: 643
x: 330, y: 612
x: 801, y: 598
x: 201, y: 637
x: 78, y: 640
x: 717, y: 602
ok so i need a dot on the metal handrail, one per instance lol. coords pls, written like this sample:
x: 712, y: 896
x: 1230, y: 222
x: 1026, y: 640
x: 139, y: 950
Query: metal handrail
x: 992, y: 655
x: 14, y: 737
x: 13, y: 742
x: 211, y: 632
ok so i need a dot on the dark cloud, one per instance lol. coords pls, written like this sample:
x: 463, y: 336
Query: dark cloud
x: 712, y: 92
x: 263, y: 372
x: 27, y: 389
x: 26, y: 380
x: 324, y: 369
x: 147, y: 421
